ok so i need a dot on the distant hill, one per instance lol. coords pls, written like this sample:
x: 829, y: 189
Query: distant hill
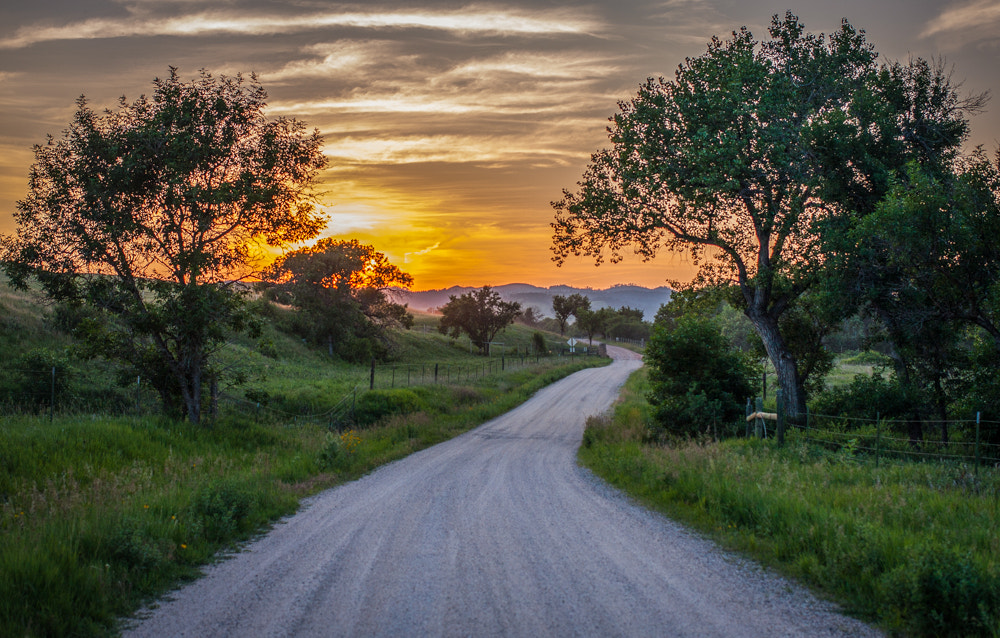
x: 648, y: 299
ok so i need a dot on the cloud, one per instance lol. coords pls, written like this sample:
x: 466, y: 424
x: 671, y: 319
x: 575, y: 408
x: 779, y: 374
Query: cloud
x: 469, y: 20
x: 965, y: 22
x: 425, y: 251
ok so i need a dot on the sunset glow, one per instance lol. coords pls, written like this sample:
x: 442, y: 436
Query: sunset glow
x: 449, y: 129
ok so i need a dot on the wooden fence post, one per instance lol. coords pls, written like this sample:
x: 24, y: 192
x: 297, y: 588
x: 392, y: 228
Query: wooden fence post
x: 749, y: 412
x: 978, y: 415
x: 758, y: 423
x: 52, y: 405
x: 878, y: 437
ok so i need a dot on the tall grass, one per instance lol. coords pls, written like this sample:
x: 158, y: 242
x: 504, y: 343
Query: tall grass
x: 912, y: 546
x: 99, y: 514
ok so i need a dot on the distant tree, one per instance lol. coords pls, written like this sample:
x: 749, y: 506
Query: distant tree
x: 151, y: 213
x: 481, y: 314
x: 565, y: 307
x: 340, y: 286
x: 531, y: 317
x: 538, y: 343
x: 594, y: 322
x: 629, y: 323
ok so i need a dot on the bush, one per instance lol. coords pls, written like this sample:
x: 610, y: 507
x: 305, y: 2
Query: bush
x: 223, y: 508
x: 36, y: 368
x: 538, y: 343
x: 696, y: 378
x: 375, y: 405
x: 945, y: 594
x: 865, y: 397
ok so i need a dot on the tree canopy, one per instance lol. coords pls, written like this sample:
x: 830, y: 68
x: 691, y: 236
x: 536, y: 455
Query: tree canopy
x: 152, y: 213
x: 743, y: 156
x: 341, y: 286
x: 567, y: 306
x: 481, y: 314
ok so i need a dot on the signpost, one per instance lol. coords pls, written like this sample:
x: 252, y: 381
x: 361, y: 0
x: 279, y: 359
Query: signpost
x: 572, y: 345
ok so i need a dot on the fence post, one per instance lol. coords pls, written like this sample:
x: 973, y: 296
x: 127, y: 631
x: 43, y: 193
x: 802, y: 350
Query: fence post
x: 392, y: 384
x: 371, y: 380
x: 978, y: 415
x: 878, y: 437
x: 503, y: 363
x: 138, y: 389
x: 781, y: 419
x: 52, y: 404
x: 758, y: 423
x: 749, y: 412
x: 435, y: 373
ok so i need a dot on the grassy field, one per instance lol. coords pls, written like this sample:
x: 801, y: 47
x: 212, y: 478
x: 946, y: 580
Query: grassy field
x: 99, y: 512
x: 911, y: 546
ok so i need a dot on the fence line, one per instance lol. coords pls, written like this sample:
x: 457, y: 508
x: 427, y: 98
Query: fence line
x: 45, y: 392
x: 874, y: 436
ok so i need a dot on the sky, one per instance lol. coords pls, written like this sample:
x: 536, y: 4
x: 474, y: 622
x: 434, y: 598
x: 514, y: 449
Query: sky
x: 450, y: 126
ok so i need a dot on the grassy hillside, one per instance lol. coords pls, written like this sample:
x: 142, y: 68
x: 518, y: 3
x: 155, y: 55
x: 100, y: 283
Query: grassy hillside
x: 913, y: 546
x: 102, y: 508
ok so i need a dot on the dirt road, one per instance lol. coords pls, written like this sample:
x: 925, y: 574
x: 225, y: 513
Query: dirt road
x: 497, y: 532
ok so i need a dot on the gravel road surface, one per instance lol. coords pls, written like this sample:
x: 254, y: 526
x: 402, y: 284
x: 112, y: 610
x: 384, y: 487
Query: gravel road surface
x: 495, y: 533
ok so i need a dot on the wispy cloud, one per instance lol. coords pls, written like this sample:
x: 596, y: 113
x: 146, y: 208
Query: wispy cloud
x: 425, y: 251
x: 967, y: 21
x: 469, y: 20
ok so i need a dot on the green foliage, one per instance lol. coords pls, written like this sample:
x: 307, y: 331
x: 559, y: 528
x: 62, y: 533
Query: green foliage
x: 481, y: 314
x: 97, y: 515
x: 44, y: 372
x: 905, y: 544
x: 866, y: 397
x: 338, y: 286
x: 565, y: 307
x: 945, y: 593
x: 165, y: 198
x: 538, y: 343
x: 375, y: 405
x: 223, y: 509
x: 696, y: 379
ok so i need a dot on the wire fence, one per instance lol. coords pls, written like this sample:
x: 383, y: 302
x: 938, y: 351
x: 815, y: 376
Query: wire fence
x: 100, y: 389
x: 974, y: 440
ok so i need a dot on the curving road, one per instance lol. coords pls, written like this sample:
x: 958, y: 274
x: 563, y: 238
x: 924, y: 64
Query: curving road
x: 496, y: 532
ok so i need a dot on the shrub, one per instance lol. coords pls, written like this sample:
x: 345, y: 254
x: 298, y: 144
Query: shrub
x: 538, y: 343
x: 132, y: 546
x: 865, y: 397
x: 331, y: 453
x: 36, y: 368
x: 223, y: 508
x: 375, y: 405
x: 696, y: 378
x: 945, y: 594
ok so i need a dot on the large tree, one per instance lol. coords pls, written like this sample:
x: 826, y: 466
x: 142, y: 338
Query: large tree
x: 341, y: 286
x: 737, y: 160
x: 481, y: 314
x: 152, y: 212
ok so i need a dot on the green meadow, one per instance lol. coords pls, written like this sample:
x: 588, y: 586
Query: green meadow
x: 911, y: 546
x: 101, y: 512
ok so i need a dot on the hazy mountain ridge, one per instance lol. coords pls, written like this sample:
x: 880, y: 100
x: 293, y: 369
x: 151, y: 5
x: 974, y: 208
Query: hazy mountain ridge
x: 648, y: 299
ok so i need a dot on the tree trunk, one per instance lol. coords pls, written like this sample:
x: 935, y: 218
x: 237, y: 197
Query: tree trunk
x: 793, y: 395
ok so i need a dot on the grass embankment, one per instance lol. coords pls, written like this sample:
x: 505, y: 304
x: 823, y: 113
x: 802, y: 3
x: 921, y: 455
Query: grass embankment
x: 98, y: 513
x: 912, y: 546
